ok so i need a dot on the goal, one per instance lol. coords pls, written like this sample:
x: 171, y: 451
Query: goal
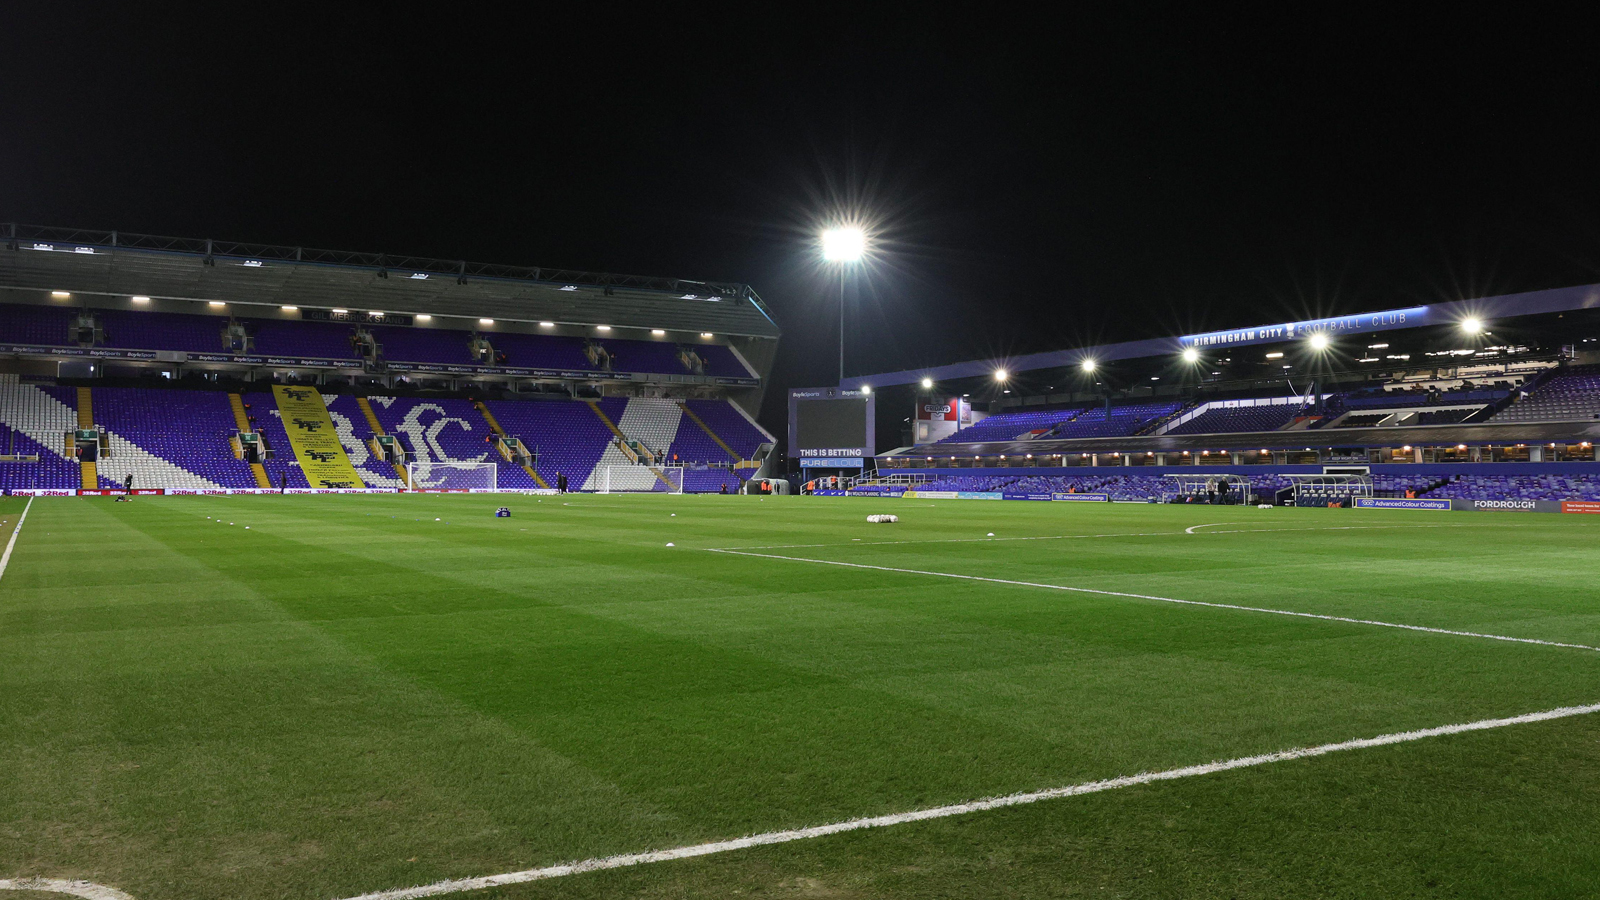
x: 642, y: 480
x: 440, y: 475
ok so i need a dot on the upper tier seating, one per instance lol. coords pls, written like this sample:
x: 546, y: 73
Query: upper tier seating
x: 1120, y: 421
x: 313, y: 340
x: 1008, y: 426
x: 1240, y: 418
x: 424, y: 345
x: 134, y: 329
x: 1378, y: 398
x: 130, y: 330
x: 42, y: 325
x: 1572, y: 394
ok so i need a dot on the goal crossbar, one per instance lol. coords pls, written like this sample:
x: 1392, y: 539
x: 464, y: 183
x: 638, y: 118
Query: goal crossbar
x: 642, y: 480
x: 451, y: 475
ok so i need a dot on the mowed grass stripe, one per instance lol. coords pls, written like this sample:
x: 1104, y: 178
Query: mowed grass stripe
x: 563, y: 699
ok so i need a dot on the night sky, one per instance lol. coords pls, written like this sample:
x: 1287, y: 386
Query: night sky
x: 1034, y: 183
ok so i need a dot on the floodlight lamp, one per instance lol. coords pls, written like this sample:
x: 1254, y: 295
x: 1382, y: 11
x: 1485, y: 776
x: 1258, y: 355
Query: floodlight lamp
x: 1319, y: 341
x: 1191, y: 354
x: 844, y: 244
x: 1088, y: 365
x: 1000, y: 375
x: 1472, y: 326
x: 927, y: 383
x: 866, y: 389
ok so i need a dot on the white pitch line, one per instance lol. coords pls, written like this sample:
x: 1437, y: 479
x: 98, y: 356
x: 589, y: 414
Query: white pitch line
x: 958, y: 809
x: 5, y: 559
x: 1191, y: 528
x: 1105, y: 593
x: 86, y: 889
x: 1063, y: 537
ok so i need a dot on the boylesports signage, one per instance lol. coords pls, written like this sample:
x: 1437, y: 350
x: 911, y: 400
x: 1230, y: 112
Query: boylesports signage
x: 306, y: 362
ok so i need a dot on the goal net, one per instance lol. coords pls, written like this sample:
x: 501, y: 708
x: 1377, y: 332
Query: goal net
x: 437, y: 475
x: 642, y: 480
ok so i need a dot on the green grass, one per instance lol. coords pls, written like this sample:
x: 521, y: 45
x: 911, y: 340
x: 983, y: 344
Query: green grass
x: 351, y: 697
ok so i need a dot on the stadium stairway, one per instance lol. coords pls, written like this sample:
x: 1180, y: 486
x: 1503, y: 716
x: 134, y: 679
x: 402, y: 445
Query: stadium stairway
x: 494, y: 426
x: 709, y: 433
x: 654, y: 428
x: 377, y: 429
x: 87, y: 470
x: 242, y: 422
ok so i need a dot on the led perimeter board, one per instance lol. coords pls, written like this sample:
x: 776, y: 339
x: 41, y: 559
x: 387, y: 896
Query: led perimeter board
x: 831, y: 424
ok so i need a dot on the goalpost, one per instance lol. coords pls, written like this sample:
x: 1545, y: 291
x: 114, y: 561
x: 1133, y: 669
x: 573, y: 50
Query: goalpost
x: 642, y: 480
x: 444, y: 475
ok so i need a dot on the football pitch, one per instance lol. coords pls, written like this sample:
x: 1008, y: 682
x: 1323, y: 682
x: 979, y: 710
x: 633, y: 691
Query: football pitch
x: 357, y: 695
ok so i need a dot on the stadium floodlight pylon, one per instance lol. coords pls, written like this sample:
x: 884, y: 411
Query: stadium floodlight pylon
x: 642, y: 480
x: 450, y: 475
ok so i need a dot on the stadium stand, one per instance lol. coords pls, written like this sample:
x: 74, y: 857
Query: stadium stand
x: 1120, y: 421
x: 1520, y: 487
x: 314, y: 340
x: 725, y: 421
x: 1240, y: 418
x: 1573, y: 394
x: 1008, y: 426
x: 195, y: 333
x: 567, y: 436
x: 169, y: 438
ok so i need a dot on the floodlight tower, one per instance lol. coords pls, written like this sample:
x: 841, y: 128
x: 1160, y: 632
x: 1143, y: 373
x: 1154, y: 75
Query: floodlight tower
x: 843, y: 246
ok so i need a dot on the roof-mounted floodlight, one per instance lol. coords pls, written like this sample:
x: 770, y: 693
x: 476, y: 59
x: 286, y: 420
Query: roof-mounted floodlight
x: 1001, y: 375
x: 927, y: 383
x: 1472, y: 326
x: 1087, y: 365
x: 1319, y: 341
x: 1190, y: 354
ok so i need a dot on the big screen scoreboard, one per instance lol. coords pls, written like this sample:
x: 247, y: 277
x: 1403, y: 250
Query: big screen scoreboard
x: 830, y: 427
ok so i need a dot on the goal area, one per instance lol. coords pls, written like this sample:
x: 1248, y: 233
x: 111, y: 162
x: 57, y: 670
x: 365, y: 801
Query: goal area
x: 642, y: 480
x: 439, y: 475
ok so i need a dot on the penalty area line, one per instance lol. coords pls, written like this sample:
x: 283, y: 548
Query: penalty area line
x: 959, y: 809
x: 1131, y: 595
x: 5, y: 559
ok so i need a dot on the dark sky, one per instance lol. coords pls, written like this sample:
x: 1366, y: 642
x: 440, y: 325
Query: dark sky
x: 1036, y: 183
